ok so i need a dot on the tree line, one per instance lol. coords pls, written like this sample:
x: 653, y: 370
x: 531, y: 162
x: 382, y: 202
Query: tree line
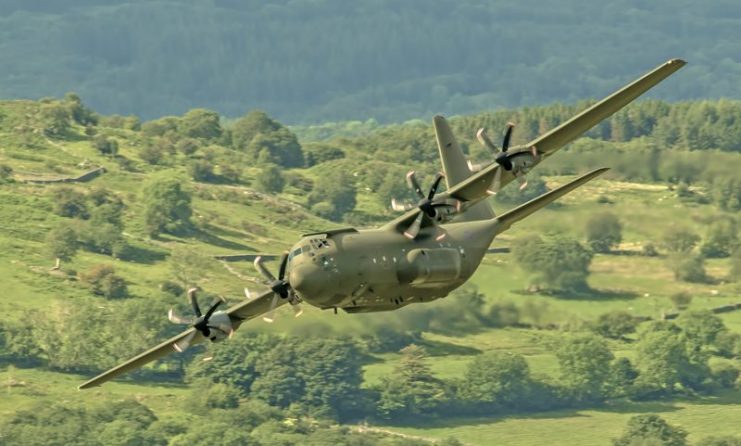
x: 309, y: 61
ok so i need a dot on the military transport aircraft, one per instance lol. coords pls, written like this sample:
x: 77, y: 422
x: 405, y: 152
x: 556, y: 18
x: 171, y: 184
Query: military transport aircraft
x: 430, y: 250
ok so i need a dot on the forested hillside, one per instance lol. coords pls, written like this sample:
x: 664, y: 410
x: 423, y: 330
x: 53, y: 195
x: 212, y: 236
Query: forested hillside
x: 311, y: 61
x: 620, y: 299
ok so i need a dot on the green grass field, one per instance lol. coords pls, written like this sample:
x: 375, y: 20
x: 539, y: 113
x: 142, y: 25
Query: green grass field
x: 715, y: 416
x: 236, y: 219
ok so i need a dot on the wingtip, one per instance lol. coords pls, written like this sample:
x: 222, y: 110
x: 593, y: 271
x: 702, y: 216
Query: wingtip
x: 680, y: 62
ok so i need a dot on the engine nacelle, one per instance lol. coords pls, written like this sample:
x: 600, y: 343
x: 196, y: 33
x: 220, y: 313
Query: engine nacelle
x: 430, y: 266
x: 219, y: 326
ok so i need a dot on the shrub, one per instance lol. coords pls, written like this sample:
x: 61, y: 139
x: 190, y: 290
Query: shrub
x: 69, y: 202
x: 151, y: 154
x: 200, y: 123
x: 721, y: 239
x: 103, y: 281
x: 560, y: 262
x: 167, y: 205
x: 187, y: 146
x: 679, y: 240
x: 318, y: 153
x: 651, y: 429
x: 615, y: 325
x: 701, y: 326
x: 62, y: 242
x: 681, y: 300
x: 735, y: 272
x: 202, y: 170
x: 688, y: 268
x: 725, y: 375
x: 649, y: 250
x: 6, y: 173
x: 604, y: 231
x: 105, y: 146
x: 172, y: 288
x: 270, y: 179
x: 728, y: 344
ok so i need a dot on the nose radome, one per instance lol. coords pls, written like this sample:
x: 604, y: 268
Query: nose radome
x: 305, y: 280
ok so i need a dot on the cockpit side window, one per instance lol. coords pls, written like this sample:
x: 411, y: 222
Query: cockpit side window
x: 296, y: 252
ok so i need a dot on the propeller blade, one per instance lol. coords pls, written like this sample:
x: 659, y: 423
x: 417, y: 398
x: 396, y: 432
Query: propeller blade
x: 400, y: 206
x: 208, y: 358
x: 507, y: 136
x: 413, y: 229
x: 485, y: 141
x: 283, y: 264
x: 269, y: 315
x: 534, y: 151
x: 247, y: 294
x: 262, y: 270
x: 218, y: 301
x: 297, y: 310
x: 435, y: 185
x: 194, y: 301
x: 522, y: 180
x: 414, y: 184
x: 177, y: 319
x: 496, y: 183
x: 182, y: 345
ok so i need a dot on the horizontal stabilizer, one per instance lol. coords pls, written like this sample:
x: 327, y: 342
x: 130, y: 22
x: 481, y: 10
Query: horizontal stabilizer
x: 511, y: 217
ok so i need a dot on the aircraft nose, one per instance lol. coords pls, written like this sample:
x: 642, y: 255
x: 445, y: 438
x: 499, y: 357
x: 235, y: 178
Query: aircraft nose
x: 306, y: 280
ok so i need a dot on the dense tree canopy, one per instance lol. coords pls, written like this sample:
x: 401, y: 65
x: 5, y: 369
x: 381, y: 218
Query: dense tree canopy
x: 168, y: 207
x: 330, y: 60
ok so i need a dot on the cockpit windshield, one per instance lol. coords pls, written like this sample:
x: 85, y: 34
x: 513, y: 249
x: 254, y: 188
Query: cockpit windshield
x: 313, y: 246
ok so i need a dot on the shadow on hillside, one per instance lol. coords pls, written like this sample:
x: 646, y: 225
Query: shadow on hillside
x: 639, y: 407
x: 215, y: 240
x: 143, y: 255
x: 227, y: 232
x: 439, y: 348
x: 476, y: 420
x: 727, y: 397
x: 587, y: 294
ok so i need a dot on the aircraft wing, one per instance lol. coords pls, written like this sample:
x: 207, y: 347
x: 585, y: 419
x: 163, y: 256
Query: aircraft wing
x: 571, y: 129
x: 475, y: 187
x: 243, y: 311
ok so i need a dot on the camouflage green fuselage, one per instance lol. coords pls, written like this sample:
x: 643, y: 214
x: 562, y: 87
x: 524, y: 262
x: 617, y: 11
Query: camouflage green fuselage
x: 377, y: 269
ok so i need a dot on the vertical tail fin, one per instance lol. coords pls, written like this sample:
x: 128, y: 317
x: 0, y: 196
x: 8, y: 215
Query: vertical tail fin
x: 456, y: 168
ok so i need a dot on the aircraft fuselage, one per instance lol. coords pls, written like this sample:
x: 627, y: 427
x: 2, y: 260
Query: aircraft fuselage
x: 377, y: 269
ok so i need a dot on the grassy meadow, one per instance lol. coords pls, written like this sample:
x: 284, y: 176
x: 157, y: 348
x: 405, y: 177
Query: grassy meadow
x: 238, y: 219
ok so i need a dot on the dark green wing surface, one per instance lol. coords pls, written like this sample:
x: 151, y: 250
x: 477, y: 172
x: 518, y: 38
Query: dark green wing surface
x: 238, y: 313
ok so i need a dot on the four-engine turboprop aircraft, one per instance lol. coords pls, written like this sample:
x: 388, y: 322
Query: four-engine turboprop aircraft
x: 430, y: 250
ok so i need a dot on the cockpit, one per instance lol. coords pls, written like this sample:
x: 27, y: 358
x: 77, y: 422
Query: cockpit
x: 311, y: 247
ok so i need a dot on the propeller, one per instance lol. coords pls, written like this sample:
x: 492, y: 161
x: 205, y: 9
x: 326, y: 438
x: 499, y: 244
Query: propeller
x: 202, y: 323
x: 435, y: 209
x: 425, y: 203
x: 279, y: 286
x: 505, y: 159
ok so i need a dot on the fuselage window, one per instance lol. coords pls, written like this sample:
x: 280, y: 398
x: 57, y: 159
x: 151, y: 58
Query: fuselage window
x: 319, y: 243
